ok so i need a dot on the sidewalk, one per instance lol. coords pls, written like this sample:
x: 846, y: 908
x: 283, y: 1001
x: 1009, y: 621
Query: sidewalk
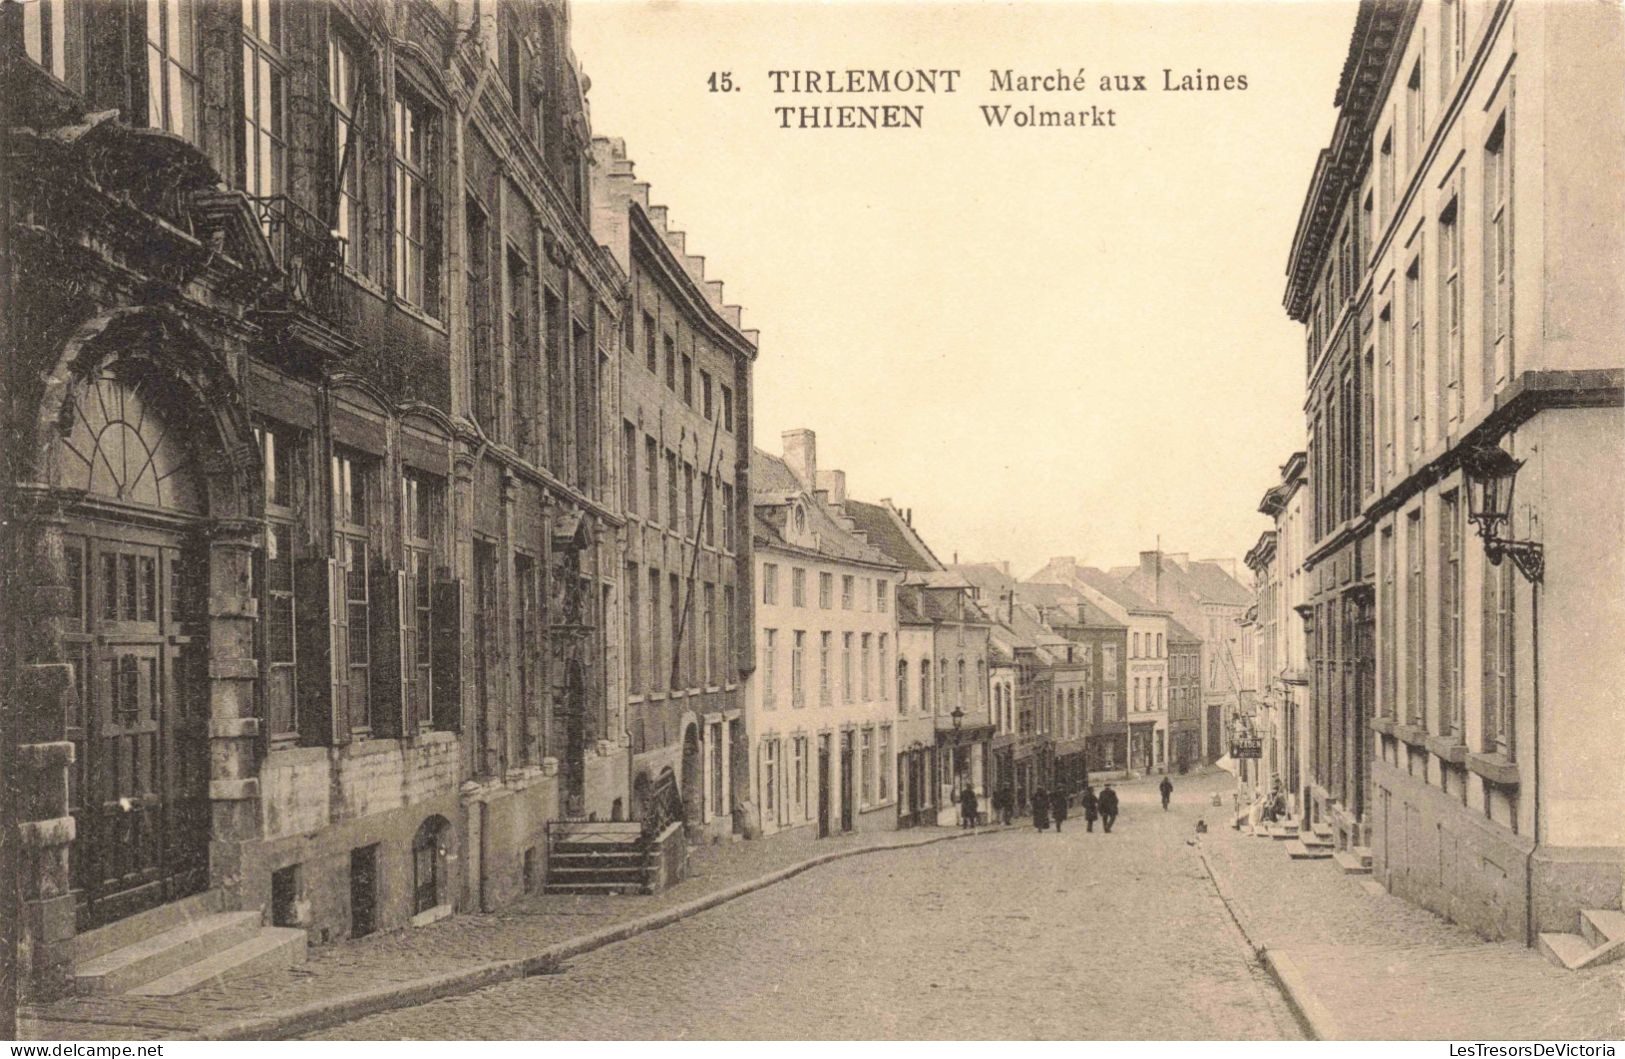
x: 1361, y: 964
x: 456, y: 955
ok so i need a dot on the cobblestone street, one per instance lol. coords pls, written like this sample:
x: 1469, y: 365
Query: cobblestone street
x: 1016, y: 934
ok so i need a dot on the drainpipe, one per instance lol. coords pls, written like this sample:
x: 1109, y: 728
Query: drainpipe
x: 1530, y: 932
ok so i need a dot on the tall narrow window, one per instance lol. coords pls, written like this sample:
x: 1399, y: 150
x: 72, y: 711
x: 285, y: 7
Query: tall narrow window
x: 1386, y: 616
x: 1415, y: 621
x: 417, y: 278
x: 1389, y: 428
x: 1415, y: 117
x: 673, y: 523
x: 172, y: 77
x: 798, y: 587
x: 657, y: 617
x: 883, y: 667
x: 1497, y: 259
x: 824, y: 693
x: 1453, y: 43
x: 1450, y: 530
x: 420, y: 510
x: 1450, y: 301
x: 649, y: 344
x: 798, y: 648
x: 522, y: 353
x: 846, y: 668
x: 264, y: 133
x: 350, y: 618
x: 1368, y: 426
x: 713, y: 666
x: 866, y: 643
x: 770, y: 584
x: 1385, y: 175
x: 1415, y: 366
x: 283, y: 469
x: 629, y: 466
x: 634, y: 630
x: 925, y: 685
x: 770, y: 647
x: 651, y: 471
x: 727, y: 512
x: 344, y: 84
x: 1500, y: 670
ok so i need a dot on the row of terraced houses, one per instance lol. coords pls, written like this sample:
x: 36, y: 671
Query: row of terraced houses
x: 1440, y: 694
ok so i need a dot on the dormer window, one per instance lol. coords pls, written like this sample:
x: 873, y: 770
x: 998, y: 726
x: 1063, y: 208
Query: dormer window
x: 800, y: 519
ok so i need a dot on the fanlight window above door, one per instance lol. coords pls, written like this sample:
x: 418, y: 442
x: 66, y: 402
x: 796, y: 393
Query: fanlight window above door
x: 120, y: 445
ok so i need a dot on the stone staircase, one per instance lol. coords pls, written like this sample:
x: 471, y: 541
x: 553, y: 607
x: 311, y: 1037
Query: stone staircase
x: 1356, y: 860
x: 179, y: 946
x: 594, y: 858
x: 1601, y: 939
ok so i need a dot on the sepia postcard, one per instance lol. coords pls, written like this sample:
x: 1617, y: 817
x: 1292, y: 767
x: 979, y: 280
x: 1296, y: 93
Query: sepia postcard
x: 729, y: 520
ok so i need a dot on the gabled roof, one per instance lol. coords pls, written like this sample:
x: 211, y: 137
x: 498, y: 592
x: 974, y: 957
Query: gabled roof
x: 1177, y: 633
x: 1206, y: 581
x: 1115, y: 590
x: 887, y: 531
x: 776, y: 491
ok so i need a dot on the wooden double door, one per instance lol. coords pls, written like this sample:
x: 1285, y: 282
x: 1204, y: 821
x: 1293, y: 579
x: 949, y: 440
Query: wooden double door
x: 139, y: 786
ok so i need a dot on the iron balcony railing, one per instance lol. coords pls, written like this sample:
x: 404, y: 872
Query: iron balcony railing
x: 310, y: 252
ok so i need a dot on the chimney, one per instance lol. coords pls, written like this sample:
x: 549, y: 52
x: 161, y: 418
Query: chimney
x: 908, y: 516
x: 1148, y: 564
x: 833, y: 483
x: 1179, y: 559
x: 1004, y: 567
x: 801, y: 453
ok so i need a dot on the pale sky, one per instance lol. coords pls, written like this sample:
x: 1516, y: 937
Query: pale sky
x: 1044, y: 341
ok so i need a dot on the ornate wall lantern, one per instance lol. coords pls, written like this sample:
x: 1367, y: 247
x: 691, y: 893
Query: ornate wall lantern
x: 959, y: 718
x: 1491, y: 473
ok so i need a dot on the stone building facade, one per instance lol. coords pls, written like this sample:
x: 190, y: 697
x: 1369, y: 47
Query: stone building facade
x: 308, y: 475
x: 1459, y: 238
x: 684, y: 430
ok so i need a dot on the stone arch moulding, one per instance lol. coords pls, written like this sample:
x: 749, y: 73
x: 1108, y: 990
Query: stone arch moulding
x: 152, y: 339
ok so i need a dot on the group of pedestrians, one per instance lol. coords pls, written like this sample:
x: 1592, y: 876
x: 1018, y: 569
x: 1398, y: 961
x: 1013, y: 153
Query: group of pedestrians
x: 1053, y: 806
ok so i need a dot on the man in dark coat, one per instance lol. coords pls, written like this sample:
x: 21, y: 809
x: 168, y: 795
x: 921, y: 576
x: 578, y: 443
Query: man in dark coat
x: 1008, y: 809
x: 1057, y: 807
x: 1167, y: 789
x: 967, y: 806
x: 1091, y: 807
x: 1041, y: 809
x: 1108, y: 808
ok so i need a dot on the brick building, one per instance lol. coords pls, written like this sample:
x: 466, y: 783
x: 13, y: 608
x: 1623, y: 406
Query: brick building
x: 312, y: 382
x: 685, y: 450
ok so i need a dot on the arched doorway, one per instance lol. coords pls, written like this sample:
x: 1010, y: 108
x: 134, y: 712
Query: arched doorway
x: 693, y: 778
x: 135, y: 634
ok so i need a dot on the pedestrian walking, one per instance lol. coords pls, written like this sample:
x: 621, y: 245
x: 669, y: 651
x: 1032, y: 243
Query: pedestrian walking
x: 1091, y: 807
x: 1008, y: 809
x: 967, y: 807
x: 1041, y: 809
x: 1057, y: 807
x: 1108, y: 808
x: 1167, y: 789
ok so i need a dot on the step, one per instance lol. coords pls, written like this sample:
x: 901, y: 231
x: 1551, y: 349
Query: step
x: 1351, y: 864
x: 131, y: 929
x: 596, y: 847
x: 153, y: 957
x: 594, y: 875
x: 1281, y: 833
x: 1299, y: 851
x: 1568, y: 951
x: 269, y: 948
x: 1363, y: 852
x: 598, y: 858
x: 1322, y: 831
x: 593, y: 888
x: 1600, y: 926
x: 1315, y: 839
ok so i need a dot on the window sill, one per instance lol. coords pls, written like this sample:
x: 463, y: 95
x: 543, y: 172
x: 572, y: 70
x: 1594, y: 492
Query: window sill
x: 1494, y: 768
x: 1413, y: 734
x: 1448, y: 748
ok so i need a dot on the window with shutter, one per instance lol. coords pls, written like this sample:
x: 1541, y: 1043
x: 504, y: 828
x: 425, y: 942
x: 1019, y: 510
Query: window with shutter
x: 388, y: 718
x: 319, y: 701
x: 447, y: 656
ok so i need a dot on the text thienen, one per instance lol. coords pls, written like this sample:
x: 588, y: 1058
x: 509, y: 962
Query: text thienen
x: 1030, y: 117
x: 826, y: 81
x: 884, y: 116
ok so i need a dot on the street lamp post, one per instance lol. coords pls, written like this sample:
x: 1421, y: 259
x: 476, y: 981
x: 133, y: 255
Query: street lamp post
x: 1491, y: 473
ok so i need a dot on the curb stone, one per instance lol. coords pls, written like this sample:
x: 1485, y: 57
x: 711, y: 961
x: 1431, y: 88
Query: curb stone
x: 322, y: 1014
x: 1317, y: 1022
